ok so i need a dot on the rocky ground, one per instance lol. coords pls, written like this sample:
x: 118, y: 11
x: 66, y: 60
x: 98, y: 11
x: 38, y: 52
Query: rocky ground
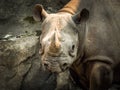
x: 20, y: 66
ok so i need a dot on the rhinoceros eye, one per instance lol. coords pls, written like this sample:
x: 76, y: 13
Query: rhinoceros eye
x: 41, y: 51
x: 71, y: 52
x: 73, y: 47
x: 40, y: 45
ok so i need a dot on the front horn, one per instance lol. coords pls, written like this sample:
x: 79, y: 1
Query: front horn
x: 55, y: 45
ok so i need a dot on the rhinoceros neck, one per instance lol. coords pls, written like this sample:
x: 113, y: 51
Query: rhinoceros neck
x: 71, y: 7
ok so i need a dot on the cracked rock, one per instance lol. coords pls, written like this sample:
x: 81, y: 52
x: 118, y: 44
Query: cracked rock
x: 15, y: 61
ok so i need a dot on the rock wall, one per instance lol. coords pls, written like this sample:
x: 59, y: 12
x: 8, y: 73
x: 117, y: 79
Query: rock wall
x: 20, y: 67
x: 16, y: 15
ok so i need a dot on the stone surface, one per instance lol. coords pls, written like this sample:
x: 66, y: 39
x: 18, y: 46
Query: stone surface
x: 20, y: 67
x: 16, y: 15
x: 15, y: 61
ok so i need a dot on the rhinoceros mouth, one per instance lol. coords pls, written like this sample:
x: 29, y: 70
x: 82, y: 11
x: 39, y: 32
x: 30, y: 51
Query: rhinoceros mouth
x: 54, y: 65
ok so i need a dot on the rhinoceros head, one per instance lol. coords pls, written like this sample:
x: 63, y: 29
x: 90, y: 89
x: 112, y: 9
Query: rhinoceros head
x: 59, y: 39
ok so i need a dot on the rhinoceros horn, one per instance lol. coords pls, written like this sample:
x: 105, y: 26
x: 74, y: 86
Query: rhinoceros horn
x: 55, y: 45
x: 71, y: 7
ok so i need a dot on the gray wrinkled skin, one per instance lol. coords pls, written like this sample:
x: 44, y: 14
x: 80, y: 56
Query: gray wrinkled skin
x: 64, y: 27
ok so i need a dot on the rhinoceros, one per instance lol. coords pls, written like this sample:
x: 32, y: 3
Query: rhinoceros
x: 84, y: 45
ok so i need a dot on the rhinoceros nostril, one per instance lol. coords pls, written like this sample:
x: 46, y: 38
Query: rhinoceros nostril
x: 46, y: 64
x: 64, y: 66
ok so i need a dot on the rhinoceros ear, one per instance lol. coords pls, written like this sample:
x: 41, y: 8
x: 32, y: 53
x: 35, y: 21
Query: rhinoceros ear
x: 82, y: 16
x: 39, y: 13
